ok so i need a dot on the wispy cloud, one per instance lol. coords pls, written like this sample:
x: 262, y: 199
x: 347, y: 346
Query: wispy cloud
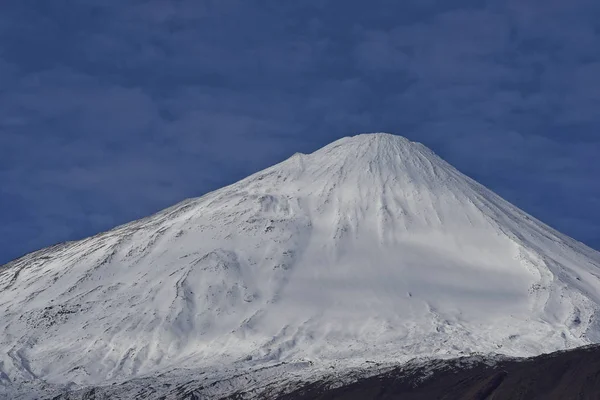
x: 110, y: 110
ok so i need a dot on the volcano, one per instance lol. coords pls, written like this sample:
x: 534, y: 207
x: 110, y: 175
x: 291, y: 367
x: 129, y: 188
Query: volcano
x: 369, y: 250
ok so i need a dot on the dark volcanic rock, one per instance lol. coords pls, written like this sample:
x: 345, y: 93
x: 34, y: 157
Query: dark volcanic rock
x: 573, y: 374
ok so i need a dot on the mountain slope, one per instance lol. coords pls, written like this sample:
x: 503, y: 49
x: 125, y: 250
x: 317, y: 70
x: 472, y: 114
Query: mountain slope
x: 570, y: 374
x: 371, y: 248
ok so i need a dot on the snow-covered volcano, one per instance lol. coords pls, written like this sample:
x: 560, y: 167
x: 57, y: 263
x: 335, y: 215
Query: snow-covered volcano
x: 371, y: 248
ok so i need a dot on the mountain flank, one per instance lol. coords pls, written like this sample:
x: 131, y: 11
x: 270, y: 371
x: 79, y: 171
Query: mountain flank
x: 371, y: 249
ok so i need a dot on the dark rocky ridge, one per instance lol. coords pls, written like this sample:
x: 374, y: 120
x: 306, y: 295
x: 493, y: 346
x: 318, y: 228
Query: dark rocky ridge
x: 573, y: 374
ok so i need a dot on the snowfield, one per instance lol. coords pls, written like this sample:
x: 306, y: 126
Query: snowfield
x: 369, y: 249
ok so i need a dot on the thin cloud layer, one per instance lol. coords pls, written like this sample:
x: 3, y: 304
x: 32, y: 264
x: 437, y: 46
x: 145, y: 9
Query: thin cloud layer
x: 110, y: 110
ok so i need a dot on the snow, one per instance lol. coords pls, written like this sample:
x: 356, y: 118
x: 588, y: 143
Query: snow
x: 371, y: 248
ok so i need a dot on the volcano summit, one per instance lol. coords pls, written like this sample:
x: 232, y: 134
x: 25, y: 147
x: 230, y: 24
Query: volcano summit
x: 371, y: 249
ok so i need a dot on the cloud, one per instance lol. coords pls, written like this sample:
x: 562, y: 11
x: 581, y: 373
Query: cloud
x: 110, y: 110
x: 378, y: 52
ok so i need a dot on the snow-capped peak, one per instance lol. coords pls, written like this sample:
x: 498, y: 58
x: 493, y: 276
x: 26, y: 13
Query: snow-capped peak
x: 371, y: 248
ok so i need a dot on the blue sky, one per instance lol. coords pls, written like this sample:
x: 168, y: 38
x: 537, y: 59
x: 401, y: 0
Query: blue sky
x: 113, y: 109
